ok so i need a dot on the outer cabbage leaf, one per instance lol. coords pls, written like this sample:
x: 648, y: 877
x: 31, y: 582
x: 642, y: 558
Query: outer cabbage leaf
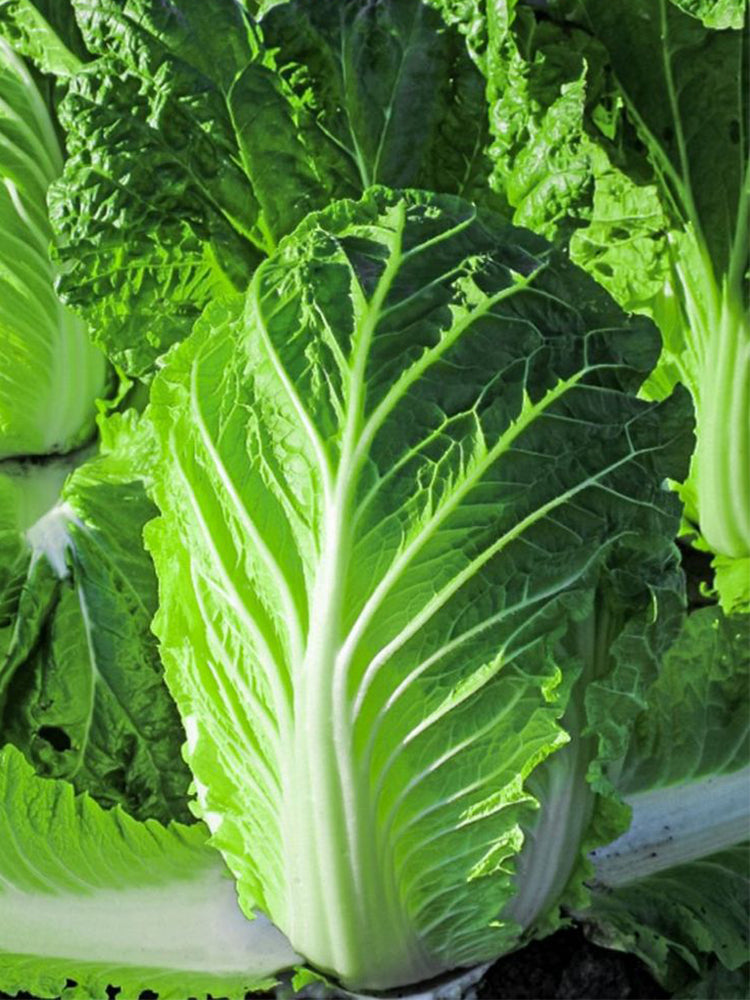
x: 51, y: 374
x: 619, y: 640
x: 332, y: 110
x: 684, y: 89
x: 80, y: 679
x: 389, y: 480
x: 675, y: 888
x: 154, y: 213
x: 198, y: 139
x: 98, y: 898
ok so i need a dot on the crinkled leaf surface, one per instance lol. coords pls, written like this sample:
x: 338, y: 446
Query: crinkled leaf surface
x: 705, y: 675
x: 542, y: 79
x: 44, y: 31
x: 621, y: 129
x: 198, y: 139
x: 81, y: 680
x: 716, y: 13
x: 96, y: 897
x: 51, y: 373
x: 386, y: 477
x: 154, y: 212
x: 344, y: 82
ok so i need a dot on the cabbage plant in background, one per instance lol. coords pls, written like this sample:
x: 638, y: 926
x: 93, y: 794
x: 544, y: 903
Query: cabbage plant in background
x: 621, y: 131
x: 346, y: 640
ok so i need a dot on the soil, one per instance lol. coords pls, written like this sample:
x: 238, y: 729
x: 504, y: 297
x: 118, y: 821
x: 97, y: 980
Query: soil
x: 566, y: 966
x: 698, y: 575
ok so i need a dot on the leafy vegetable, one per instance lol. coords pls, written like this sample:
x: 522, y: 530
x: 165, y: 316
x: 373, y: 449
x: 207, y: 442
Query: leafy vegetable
x: 692, y: 116
x: 686, y: 777
x: 387, y: 481
x: 199, y: 138
x: 621, y: 128
x: 46, y: 32
x: 390, y: 479
x: 94, y: 896
x: 81, y: 680
x: 51, y: 373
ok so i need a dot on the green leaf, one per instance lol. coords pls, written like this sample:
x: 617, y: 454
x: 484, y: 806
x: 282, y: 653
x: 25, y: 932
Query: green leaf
x: 96, y: 897
x: 347, y: 81
x: 690, y: 108
x: 44, y: 31
x: 542, y: 79
x: 52, y: 374
x: 155, y: 215
x: 198, y: 139
x: 675, y: 888
x: 683, y: 921
x: 388, y: 480
x: 669, y: 236
x: 719, y: 981
x: 705, y: 676
x: 625, y: 244
x: 81, y: 677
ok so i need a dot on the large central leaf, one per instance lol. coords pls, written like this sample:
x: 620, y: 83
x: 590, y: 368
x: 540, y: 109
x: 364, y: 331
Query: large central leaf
x: 390, y: 478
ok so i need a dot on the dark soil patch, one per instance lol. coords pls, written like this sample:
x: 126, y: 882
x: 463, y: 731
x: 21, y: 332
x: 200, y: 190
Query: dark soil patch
x: 566, y: 966
x: 698, y: 573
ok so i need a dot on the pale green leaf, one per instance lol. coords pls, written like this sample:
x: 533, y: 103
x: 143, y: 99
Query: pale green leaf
x: 51, y: 373
x: 98, y: 898
x: 391, y: 480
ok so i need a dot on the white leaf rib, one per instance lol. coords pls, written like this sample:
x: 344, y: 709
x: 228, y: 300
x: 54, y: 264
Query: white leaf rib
x: 290, y: 616
x: 502, y: 446
x: 336, y: 533
x: 305, y: 420
x: 403, y: 797
x: 273, y: 670
x: 229, y: 691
